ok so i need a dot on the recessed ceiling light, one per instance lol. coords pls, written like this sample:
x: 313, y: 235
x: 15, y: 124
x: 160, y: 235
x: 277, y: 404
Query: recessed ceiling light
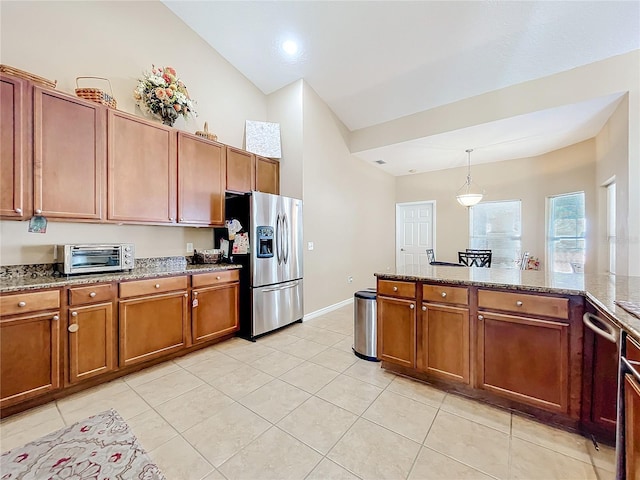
x: 290, y: 47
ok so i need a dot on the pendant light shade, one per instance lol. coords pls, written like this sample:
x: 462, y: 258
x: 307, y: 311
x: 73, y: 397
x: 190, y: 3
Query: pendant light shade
x: 469, y: 194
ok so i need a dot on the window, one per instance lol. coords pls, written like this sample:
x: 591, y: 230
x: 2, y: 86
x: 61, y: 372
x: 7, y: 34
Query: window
x: 567, y: 228
x: 497, y: 226
x: 611, y: 225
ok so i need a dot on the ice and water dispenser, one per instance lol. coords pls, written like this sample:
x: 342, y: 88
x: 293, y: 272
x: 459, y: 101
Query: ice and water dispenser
x: 264, y: 235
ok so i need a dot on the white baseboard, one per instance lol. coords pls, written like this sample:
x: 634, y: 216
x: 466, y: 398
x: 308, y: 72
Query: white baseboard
x: 328, y: 309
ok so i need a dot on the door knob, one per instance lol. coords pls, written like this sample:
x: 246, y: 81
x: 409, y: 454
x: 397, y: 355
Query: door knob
x: 402, y: 249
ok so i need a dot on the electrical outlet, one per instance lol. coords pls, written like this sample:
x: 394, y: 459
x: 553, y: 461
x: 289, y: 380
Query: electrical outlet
x: 349, y: 279
x: 309, y: 245
x: 189, y: 247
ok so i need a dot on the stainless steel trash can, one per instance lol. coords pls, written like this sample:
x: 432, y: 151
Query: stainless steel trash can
x: 365, y: 325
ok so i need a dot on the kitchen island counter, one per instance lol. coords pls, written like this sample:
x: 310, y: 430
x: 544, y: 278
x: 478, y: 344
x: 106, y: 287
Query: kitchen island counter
x: 602, y: 290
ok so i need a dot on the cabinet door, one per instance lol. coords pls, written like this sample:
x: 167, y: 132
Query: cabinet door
x: 151, y: 327
x: 239, y: 170
x: 142, y: 170
x: 605, y: 383
x: 632, y: 427
x: 15, y: 191
x: 29, y: 356
x: 525, y: 359
x: 69, y: 156
x: 214, y: 312
x: 267, y: 175
x: 443, y: 342
x: 201, y: 181
x: 91, y: 341
x: 397, y: 331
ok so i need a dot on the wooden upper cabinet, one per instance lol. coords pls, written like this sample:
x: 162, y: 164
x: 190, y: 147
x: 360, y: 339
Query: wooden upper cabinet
x: 201, y: 180
x: 15, y: 190
x: 69, y: 156
x: 267, y: 175
x: 142, y: 165
x: 240, y: 170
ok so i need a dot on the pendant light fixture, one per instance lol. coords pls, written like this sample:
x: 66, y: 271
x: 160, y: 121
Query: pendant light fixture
x: 469, y: 194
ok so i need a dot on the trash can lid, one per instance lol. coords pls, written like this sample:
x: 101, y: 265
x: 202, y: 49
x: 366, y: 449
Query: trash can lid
x: 369, y: 295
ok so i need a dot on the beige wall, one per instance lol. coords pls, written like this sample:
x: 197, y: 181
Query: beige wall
x: 118, y: 40
x: 349, y: 210
x: 530, y: 180
x: 612, y: 153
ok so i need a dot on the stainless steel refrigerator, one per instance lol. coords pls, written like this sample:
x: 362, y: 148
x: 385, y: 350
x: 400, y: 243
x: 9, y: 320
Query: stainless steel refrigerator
x: 271, y: 277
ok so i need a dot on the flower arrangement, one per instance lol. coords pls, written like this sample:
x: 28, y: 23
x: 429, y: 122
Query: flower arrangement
x: 533, y: 263
x: 161, y: 94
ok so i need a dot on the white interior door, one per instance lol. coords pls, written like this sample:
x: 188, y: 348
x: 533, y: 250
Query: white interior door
x: 414, y: 234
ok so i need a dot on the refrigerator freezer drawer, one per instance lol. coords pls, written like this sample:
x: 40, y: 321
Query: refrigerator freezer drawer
x: 275, y: 306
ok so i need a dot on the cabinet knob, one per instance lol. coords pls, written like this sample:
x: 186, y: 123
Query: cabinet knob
x: 22, y: 304
x: 73, y: 327
x: 157, y: 285
x: 182, y: 219
x: 395, y: 289
x: 92, y: 294
x: 38, y: 211
x: 424, y: 309
x: 18, y: 210
x: 412, y: 306
x: 186, y: 295
x: 195, y: 294
x: 74, y: 314
x: 55, y: 317
x: 518, y: 303
x: 444, y: 294
x: 218, y: 277
x: 480, y: 317
x: 171, y: 219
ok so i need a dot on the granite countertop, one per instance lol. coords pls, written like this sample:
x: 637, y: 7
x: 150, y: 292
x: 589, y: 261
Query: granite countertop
x: 35, y: 281
x: 602, y: 290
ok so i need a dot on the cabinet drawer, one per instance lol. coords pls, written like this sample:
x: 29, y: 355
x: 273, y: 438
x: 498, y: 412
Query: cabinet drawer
x: 29, y: 302
x: 395, y: 288
x: 445, y: 294
x: 151, y: 286
x: 524, y: 304
x: 214, y: 278
x: 91, y: 294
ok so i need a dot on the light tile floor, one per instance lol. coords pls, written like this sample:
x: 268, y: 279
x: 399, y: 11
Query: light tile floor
x: 297, y: 404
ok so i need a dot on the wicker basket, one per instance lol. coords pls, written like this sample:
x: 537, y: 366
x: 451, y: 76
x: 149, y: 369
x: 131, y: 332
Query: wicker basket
x: 206, y: 134
x: 16, y: 72
x: 95, y: 94
x: 207, y: 256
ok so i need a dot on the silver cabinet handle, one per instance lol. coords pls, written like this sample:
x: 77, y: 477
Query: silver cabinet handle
x: 73, y: 327
x: 395, y: 289
x: 55, y: 317
x: 22, y: 304
x: 74, y: 314
x: 444, y: 294
x: 424, y: 309
x: 518, y: 303
x: 480, y: 317
x: 92, y: 294
x: 412, y: 306
x: 18, y: 210
x: 609, y: 332
x: 157, y: 285
x: 38, y: 211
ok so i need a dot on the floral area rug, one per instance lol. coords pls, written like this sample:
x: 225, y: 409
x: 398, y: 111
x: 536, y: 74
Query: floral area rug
x: 101, y: 447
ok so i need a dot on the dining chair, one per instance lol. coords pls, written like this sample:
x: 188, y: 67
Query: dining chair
x: 475, y: 259
x: 431, y: 256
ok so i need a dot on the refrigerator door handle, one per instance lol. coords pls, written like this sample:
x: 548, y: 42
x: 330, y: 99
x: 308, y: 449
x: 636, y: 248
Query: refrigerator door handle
x: 279, y: 239
x: 277, y: 289
x: 285, y: 239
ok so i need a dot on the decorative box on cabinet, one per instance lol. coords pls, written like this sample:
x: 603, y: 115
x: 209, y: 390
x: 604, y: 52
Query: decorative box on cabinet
x: 29, y: 345
x: 153, y: 318
x: 69, y: 156
x: 92, y: 331
x: 214, y: 305
x: 201, y: 180
x: 396, y: 304
x: 142, y: 166
x: 15, y: 158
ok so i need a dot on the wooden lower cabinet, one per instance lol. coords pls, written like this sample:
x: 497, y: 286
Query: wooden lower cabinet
x: 214, y: 312
x: 152, y: 326
x: 92, y: 345
x: 397, y: 331
x: 632, y: 427
x: 29, y: 356
x: 525, y: 359
x: 443, y: 342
